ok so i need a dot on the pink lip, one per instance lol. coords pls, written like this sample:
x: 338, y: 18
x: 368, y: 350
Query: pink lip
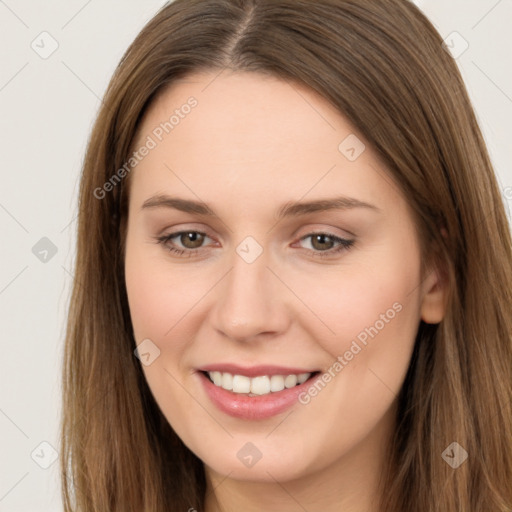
x: 254, y: 407
x: 254, y: 371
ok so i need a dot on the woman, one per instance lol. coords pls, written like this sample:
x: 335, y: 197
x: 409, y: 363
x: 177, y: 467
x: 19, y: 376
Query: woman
x: 220, y: 356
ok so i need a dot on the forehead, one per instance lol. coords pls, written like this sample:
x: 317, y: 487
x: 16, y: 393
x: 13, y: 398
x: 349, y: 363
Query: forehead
x: 252, y: 134
x: 240, y: 104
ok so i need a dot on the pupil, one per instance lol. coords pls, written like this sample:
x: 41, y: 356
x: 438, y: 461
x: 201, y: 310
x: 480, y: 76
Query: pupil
x: 321, y: 239
x: 194, y: 238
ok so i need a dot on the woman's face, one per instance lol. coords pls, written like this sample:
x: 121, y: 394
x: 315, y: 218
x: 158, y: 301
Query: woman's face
x: 255, y: 292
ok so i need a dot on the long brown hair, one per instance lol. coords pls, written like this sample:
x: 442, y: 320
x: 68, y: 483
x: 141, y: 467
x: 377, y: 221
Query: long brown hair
x: 382, y: 65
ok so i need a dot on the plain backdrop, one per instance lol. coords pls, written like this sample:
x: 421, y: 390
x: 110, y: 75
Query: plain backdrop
x: 48, y: 104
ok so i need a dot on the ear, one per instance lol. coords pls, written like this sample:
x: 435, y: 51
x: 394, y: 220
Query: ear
x: 434, y: 293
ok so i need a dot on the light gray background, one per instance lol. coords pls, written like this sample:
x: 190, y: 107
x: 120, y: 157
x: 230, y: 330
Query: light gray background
x: 47, y: 110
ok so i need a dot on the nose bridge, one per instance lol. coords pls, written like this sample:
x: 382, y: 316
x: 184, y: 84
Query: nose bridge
x: 249, y: 300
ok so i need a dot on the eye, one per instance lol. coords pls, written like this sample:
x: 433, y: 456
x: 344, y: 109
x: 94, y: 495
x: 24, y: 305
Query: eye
x: 190, y: 240
x: 323, y: 244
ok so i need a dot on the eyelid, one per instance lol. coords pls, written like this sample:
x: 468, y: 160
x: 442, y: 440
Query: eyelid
x: 326, y: 233
x: 179, y: 228
x: 165, y: 233
x: 319, y: 229
x: 326, y: 230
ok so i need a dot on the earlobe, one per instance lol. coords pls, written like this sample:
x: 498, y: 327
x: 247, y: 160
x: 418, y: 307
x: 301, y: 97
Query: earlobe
x: 434, y: 295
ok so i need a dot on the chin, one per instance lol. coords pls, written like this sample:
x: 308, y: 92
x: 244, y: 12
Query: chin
x: 263, y: 464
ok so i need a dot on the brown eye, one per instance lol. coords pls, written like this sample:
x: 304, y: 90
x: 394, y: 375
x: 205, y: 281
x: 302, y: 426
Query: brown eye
x: 183, y: 242
x: 324, y: 245
x: 322, y: 241
x: 191, y: 239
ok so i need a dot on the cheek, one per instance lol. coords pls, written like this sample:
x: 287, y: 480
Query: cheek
x: 369, y: 319
x: 159, y: 301
x: 366, y: 318
x: 158, y: 298
x: 362, y: 301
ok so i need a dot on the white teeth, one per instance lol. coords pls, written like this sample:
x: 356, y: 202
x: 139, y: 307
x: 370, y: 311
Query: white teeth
x: 261, y: 385
x: 227, y: 381
x: 276, y: 383
x: 241, y: 384
x: 303, y: 377
x: 217, y: 378
x: 290, y: 381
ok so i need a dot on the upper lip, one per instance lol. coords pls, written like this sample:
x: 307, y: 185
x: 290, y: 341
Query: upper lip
x: 254, y: 371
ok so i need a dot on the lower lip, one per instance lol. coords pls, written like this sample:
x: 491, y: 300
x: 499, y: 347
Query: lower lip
x: 253, y: 407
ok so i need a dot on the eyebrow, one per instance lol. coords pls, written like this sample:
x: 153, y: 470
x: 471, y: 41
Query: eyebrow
x: 290, y: 209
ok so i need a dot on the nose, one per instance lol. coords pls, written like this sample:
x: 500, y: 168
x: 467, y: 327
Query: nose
x: 251, y: 302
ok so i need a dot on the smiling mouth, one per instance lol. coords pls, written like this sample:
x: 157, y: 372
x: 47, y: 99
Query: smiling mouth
x: 259, y: 385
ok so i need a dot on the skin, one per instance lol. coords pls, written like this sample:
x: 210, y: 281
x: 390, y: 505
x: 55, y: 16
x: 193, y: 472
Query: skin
x: 252, y: 144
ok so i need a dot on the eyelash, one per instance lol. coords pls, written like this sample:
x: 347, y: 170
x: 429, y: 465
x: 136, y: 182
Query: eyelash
x: 344, y: 244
